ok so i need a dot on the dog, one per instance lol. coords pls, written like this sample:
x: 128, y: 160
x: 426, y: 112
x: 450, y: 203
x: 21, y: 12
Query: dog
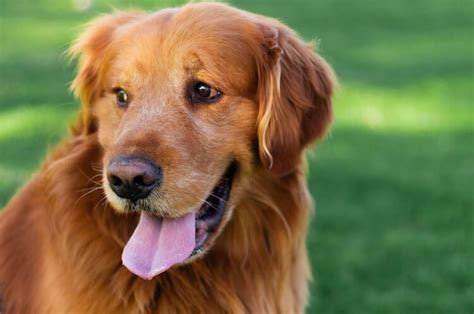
x: 181, y: 188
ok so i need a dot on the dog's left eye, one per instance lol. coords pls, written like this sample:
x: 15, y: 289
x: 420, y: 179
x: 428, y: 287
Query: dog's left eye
x: 121, y: 97
x: 203, y: 93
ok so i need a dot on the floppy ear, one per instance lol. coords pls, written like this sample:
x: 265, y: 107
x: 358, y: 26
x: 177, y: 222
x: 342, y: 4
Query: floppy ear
x: 295, y: 87
x: 91, y: 50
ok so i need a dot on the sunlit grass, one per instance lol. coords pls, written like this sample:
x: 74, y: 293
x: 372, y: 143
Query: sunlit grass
x: 31, y: 32
x: 448, y: 47
x: 45, y: 119
x: 430, y: 106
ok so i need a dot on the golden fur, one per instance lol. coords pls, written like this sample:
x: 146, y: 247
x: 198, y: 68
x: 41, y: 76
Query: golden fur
x: 62, y: 235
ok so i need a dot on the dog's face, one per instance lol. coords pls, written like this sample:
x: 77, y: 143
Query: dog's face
x: 188, y: 102
x: 169, y: 99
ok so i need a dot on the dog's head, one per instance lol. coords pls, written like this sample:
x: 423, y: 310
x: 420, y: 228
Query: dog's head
x: 187, y: 103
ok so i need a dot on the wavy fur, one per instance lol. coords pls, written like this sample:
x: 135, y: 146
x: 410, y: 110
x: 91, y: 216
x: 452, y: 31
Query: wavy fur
x: 61, y: 240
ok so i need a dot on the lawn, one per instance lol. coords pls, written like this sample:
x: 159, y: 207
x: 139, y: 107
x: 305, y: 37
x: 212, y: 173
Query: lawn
x: 393, y: 181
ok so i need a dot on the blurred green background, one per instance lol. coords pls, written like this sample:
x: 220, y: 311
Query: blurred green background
x: 393, y: 181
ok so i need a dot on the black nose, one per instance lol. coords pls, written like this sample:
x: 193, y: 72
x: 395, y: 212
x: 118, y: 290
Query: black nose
x: 133, y: 177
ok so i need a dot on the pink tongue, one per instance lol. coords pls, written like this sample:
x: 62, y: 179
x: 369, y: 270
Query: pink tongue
x: 157, y: 244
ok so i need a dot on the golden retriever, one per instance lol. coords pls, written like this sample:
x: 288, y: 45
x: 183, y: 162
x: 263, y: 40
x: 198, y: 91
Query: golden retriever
x: 181, y: 188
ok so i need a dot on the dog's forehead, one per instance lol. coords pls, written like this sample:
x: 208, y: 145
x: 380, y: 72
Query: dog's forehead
x: 211, y: 37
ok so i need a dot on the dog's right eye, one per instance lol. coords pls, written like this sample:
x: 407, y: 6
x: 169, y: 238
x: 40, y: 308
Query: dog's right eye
x: 122, y: 97
x: 202, y: 93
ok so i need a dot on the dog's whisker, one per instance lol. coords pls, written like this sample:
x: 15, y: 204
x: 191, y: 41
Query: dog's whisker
x: 210, y: 194
x: 96, y: 176
x: 205, y: 200
x: 101, y: 203
x: 95, y: 184
x: 97, y: 168
x: 94, y: 189
x: 218, y: 197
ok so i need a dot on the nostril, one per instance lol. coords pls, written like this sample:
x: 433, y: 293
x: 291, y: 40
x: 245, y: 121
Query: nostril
x: 139, y: 180
x: 145, y: 180
x: 114, y: 180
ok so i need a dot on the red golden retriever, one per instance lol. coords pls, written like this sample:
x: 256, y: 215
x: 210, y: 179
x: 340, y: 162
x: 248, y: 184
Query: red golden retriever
x: 181, y: 188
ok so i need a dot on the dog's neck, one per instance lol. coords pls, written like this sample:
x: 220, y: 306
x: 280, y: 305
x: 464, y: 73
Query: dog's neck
x: 266, y: 273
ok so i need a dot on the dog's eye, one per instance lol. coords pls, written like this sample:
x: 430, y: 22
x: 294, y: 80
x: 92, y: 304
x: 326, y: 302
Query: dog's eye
x: 203, y: 93
x: 122, y: 97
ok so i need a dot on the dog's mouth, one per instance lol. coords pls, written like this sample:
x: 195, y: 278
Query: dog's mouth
x: 209, y: 216
x: 159, y: 243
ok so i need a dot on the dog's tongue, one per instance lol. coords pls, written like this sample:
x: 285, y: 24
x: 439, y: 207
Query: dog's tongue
x: 157, y: 244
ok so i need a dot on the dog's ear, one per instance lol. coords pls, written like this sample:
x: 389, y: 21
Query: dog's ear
x: 295, y: 87
x: 91, y: 48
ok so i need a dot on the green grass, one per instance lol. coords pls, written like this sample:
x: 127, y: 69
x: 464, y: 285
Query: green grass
x: 393, y: 182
